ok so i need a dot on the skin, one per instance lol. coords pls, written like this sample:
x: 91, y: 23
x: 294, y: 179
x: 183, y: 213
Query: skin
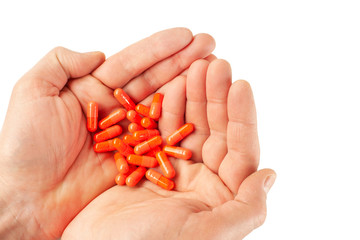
x: 51, y: 176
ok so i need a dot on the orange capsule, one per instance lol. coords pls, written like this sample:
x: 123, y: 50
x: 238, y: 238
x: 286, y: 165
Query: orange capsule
x: 108, y: 133
x: 180, y: 134
x: 144, y: 161
x: 130, y: 140
x: 106, y: 146
x: 124, y: 99
x: 145, y: 134
x: 122, y: 147
x: 113, y: 118
x: 121, y: 163
x: 159, y: 179
x: 133, y: 116
x: 153, y: 151
x: 146, y: 146
x: 177, y: 152
x: 133, y: 127
x: 135, y: 176
x: 155, y: 108
x: 92, y: 116
x: 121, y: 177
x: 148, y: 123
x: 165, y: 164
x: 142, y: 109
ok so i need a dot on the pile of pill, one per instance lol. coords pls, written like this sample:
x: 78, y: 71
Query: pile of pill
x: 138, y: 152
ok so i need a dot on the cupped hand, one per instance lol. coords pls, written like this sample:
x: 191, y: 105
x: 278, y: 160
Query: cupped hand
x: 219, y: 193
x: 48, y: 169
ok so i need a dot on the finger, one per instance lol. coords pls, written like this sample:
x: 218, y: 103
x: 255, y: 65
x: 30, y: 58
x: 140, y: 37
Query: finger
x: 210, y: 58
x: 133, y: 60
x: 196, y: 112
x: 243, y: 154
x: 52, y: 72
x: 218, y: 81
x: 164, y: 71
x: 237, y: 218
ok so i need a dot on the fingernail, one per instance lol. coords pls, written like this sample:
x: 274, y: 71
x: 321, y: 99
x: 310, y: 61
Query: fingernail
x: 269, y: 181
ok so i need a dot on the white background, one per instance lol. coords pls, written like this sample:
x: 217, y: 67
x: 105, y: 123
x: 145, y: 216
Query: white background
x: 301, y: 57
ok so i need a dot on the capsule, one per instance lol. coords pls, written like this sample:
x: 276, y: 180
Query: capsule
x: 155, y: 108
x: 106, y: 146
x: 130, y: 140
x: 144, y: 161
x: 165, y: 164
x: 122, y: 147
x: 135, y: 176
x: 159, y: 179
x: 180, y: 134
x: 92, y: 116
x: 121, y: 177
x: 153, y: 151
x: 124, y: 99
x: 142, y: 109
x: 133, y: 127
x: 113, y: 118
x: 108, y: 133
x: 145, y: 134
x: 177, y: 152
x: 121, y: 163
x: 133, y: 117
x: 148, y: 123
x: 146, y: 146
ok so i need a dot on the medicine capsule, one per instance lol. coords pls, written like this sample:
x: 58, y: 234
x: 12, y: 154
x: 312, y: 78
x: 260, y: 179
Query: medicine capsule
x: 144, y: 161
x: 135, y: 176
x: 148, y: 123
x: 142, y: 109
x: 124, y: 99
x: 165, y: 164
x: 121, y: 177
x: 92, y: 116
x: 113, y: 118
x: 146, y: 134
x: 177, y: 152
x: 106, y: 146
x: 122, y: 147
x: 159, y: 179
x: 153, y: 151
x: 133, y: 116
x: 130, y: 140
x: 180, y: 134
x: 108, y: 133
x: 155, y: 108
x: 146, y: 146
x: 133, y: 127
x: 121, y: 163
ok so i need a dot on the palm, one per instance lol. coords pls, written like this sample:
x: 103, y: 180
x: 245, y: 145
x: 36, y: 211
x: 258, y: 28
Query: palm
x: 205, y: 183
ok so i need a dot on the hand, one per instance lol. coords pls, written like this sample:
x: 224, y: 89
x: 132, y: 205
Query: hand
x: 218, y: 195
x: 48, y: 169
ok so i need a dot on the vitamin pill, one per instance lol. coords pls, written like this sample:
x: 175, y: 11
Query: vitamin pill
x: 124, y: 99
x: 159, y: 179
x: 146, y: 146
x: 180, y: 134
x: 121, y: 163
x: 144, y: 161
x: 92, y: 116
x: 177, y: 152
x: 165, y: 164
x: 153, y: 151
x: 106, y: 146
x: 142, y: 109
x: 133, y: 127
x: 148, y: 123
x: 135, y: 176
x: 130, y: 140
x: 155, y: 108
x: 133, y: 117
x: 121, y: 177
x: 145, y: 134
x: 113, y: 118
x: 122, y: 147
x: 108, y: 133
